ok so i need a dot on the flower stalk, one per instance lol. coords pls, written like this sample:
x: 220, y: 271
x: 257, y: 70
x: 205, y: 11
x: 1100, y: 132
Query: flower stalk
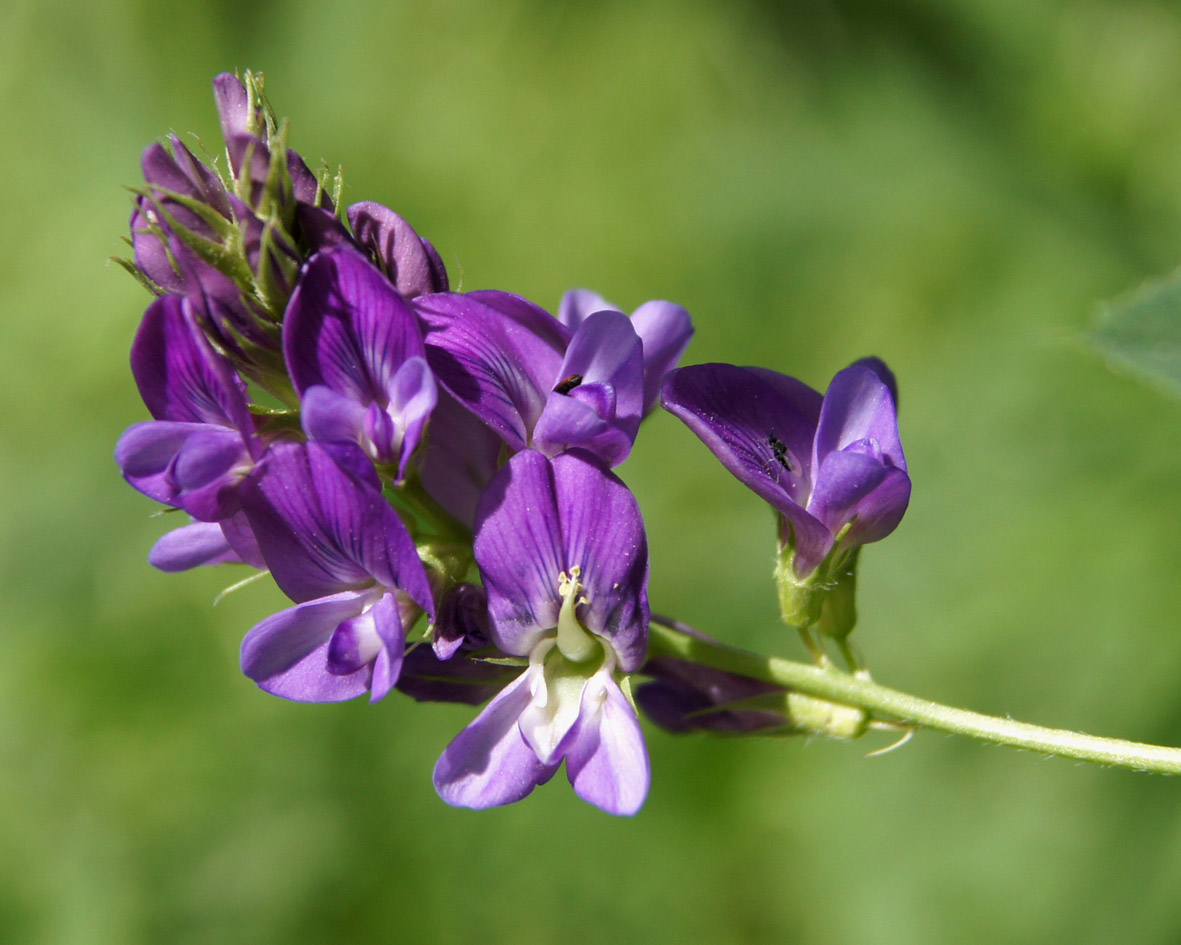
x: 858, y: 692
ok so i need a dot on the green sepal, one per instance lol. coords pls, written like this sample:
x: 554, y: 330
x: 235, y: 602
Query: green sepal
x: 449, y: 562
x: 138, y: 275
x: 277, y: 201
x: 838, y: 612
x: 821, y: 717
x: 264, y: 366
x: 260, y: 117
x: 227, y: 259
x: 825, y: 599
x: 271, y: 291
x: 625, y: 686
x: 337, y: 187
x: 222, y: 226
x: 276, y: 421
x: 800, y: 600
x: 420, y: 510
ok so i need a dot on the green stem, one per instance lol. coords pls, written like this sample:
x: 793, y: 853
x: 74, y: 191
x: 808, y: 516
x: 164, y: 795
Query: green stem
x: 862, y: 693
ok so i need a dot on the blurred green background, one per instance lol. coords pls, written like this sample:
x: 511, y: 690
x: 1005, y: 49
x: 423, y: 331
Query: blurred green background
x: 949, y: 186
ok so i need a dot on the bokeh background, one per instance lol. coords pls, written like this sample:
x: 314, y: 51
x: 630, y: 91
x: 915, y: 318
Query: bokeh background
x: 949, y: 186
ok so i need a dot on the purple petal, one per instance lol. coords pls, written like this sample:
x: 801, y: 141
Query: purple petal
x: 409, y: 261
x: 462, y: 679
x: 518, y: 546
x: 498, y: 360
x: 874, y: 513
x: 322, y: 229
x: 413, y: 395
x: 241, y: 538
x: 233, y: 105
x: 885, y: 375
x: 179, y: 375
x: 146, y: 451
x: 242, y: 147
x: 286, y: 654
x: 387, y: 622
x: 607, y: 762
x: 760, y: 425
x: 207, y: 185
x: 305, y: 185
x: 167, y: 173
x: 306, y: 681
x: 843, y: 480
x: 353, y: 644
x: 577, y: 304
x: 528, y: 315
x: 597, y: 399
x: 489, y: 763
x: 603, y: 534
x: 683, y: 697
x: 576, y: 420
x: 209, y: 455
x: 323, y: 530
x: 665, y: 329
x: 347, y: 328
x: 160, y: 169
x: 461, y: 456
x: 463, y: 620
x: 150, y: 251
x: 331, y: 417
x: 194, y: 466
x: 606, y: 349
x: 190, y: 546
x: 859, y: 406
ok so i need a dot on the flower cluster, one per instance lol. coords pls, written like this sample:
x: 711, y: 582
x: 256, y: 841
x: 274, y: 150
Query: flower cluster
x: 427, y: 474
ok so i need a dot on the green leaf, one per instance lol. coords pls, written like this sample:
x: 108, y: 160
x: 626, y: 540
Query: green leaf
x: 1141, y: 332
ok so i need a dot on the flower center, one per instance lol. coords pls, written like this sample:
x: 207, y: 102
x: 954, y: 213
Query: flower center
x: 574, y: 642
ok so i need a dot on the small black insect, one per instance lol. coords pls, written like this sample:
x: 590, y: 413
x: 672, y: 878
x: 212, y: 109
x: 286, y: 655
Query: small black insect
x: 779, y: 449
x: 564, y: 387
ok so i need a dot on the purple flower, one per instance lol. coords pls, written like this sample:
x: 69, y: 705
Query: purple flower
x: 355, y: 355
x: 176, y: 181
x: 410, y: 262
x: 831, y: 466
x: 456, y: 667
x: 664, y: 328
x: 178, y: 225
x: 561, y: 548
x: 201, y: 444
x: 337, y: 548
x: 533, y: 381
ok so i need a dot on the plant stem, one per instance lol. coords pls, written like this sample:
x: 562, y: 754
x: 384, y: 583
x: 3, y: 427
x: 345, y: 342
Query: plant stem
x: 836, y: 686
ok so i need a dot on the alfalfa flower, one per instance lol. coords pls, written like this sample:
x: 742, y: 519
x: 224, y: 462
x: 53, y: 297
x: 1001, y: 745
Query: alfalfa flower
x: 832, y: 467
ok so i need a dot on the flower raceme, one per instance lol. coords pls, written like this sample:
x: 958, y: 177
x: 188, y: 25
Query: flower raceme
x: 325, y: 409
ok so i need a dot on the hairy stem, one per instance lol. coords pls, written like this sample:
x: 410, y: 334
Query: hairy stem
x: 862, y: 693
